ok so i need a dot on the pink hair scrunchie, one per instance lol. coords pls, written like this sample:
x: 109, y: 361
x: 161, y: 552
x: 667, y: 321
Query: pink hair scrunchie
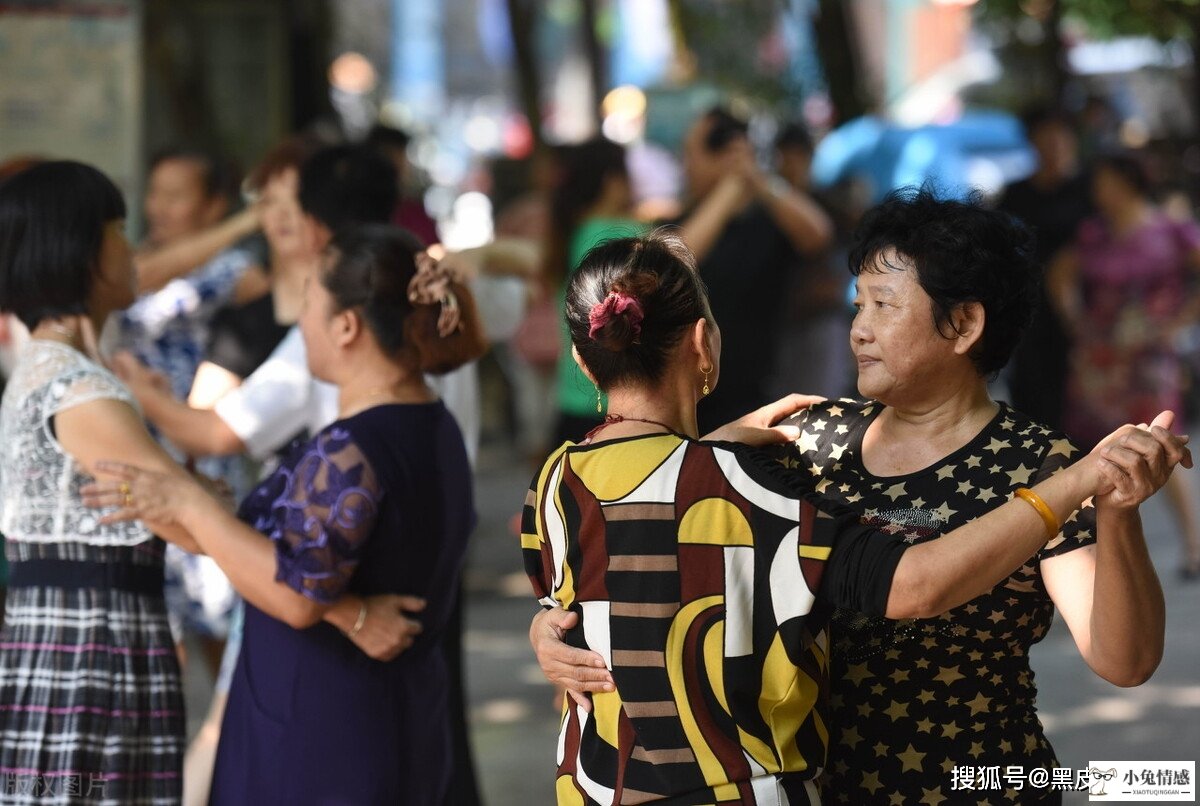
x: 616, y: 304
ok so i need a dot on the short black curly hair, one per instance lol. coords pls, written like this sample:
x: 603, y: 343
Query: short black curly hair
x: 961, y: 252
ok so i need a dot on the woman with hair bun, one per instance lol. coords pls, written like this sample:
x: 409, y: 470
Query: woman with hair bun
x: 378, y: 502
x: 702, y: 574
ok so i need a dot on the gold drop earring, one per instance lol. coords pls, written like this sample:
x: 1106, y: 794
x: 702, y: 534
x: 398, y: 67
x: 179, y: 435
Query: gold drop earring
x: 706, y: 372
x: 599, y: 405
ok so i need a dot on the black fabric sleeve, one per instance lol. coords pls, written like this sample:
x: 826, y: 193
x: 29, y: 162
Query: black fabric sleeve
x: 862, y: 561
x: 770, y: 467
x: 859, y: 572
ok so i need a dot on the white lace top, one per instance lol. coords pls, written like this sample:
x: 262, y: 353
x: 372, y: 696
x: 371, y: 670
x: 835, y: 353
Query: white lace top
x: 39, y: 482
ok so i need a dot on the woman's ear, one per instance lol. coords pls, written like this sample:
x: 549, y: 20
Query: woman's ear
x: 701, y: 343
x: 587, y: 372
x: 968, y: 320
x: 347, y: 327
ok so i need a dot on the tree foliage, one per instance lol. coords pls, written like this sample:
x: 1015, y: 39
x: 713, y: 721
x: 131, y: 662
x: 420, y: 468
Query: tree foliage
x: 726, y: 41
x: 1163, y: 19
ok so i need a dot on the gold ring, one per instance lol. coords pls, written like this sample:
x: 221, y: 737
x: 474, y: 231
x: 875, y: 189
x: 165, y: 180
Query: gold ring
x: 129, y: 500
x: 124, y: 488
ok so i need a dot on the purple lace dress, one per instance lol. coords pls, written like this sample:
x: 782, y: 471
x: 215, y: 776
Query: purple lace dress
x: 377, y: 503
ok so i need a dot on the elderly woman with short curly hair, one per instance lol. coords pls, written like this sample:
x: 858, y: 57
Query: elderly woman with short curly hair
x: 944, y: 290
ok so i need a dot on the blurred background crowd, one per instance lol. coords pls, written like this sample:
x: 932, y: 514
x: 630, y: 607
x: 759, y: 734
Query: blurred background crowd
x: 522, y: 132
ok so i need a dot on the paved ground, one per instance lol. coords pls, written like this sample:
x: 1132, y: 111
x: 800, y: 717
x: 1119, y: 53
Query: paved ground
x: 514, y: 726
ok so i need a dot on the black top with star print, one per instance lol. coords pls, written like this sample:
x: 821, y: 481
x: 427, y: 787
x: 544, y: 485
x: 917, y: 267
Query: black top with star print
x: 914, y: 698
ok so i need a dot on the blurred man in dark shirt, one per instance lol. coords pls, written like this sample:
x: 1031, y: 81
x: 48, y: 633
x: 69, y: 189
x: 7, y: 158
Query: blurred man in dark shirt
x: 1053, y: 201
x: 745, y: 257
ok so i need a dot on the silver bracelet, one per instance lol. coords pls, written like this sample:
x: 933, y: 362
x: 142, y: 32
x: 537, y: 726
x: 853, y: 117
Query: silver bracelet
x: 362, y: 619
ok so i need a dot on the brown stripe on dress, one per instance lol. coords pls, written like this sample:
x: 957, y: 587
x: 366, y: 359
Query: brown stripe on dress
x: 643, y: 609
x: 637, y: 657
x: 683, y: 755
x: 639, y: 512
x: 642, y: 710
x: 643, y: 562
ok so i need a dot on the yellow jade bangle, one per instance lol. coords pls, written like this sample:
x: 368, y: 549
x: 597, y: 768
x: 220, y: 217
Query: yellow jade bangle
x: 1042, y: 508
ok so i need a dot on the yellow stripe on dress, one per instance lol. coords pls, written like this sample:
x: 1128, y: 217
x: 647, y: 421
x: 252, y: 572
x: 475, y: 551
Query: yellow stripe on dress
x: 712, y: 769
x: 815, y: 552
x: 786, y: 701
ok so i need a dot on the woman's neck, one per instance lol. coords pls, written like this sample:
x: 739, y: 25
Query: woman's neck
x: 77, y: 332
x: 659, y: 410
x: 911, y: 437
x: 371, y: 383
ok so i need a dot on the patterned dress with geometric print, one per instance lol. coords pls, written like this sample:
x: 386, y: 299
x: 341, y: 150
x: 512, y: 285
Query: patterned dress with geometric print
x: 705, y: 581
x: 915, y: 698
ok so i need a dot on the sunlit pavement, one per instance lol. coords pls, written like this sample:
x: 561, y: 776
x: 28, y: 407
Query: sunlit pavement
x: 514, y: 726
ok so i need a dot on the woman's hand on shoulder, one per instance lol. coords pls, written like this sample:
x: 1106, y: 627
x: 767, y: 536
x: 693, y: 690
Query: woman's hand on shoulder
x: 762, y: 426
x: 1134, y: 462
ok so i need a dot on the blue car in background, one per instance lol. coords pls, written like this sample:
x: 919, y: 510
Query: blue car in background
x: 981, y: 151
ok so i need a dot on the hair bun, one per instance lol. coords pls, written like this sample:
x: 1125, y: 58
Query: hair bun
x: 615, y: 322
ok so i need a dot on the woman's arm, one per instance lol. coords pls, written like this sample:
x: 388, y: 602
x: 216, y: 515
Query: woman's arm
x: 157, y: 268
x: 248, y: 558
x: 385, y: 630
x: 253, y: 284
x: 1109, y: 594
x: 111, y: 429
x: 936, y: 576
x: 174, y: 501
x: 197, y: 432
x: 761, y: 427
x: 504, y: 257
x: 320, y: 521
x: 702, y: 229
x: 804, y: 223
x: 1129, y: 465
x: 1111, y: 600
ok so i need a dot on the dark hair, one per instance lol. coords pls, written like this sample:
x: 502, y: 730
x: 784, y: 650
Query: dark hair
x: 292, y: 153
x: 1130, y: 168
x: 342, y: 185
x: 794, y: 135
x: 218, y: 176
x: 724, y: 128
x: 961, y: 253
x: 52, y: 219
x: 657, y: 270
x: 372, y: 269
x: 1036, y: 117
x: 382, y: 136
x: 579, y: 179
x: 14, y: 165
